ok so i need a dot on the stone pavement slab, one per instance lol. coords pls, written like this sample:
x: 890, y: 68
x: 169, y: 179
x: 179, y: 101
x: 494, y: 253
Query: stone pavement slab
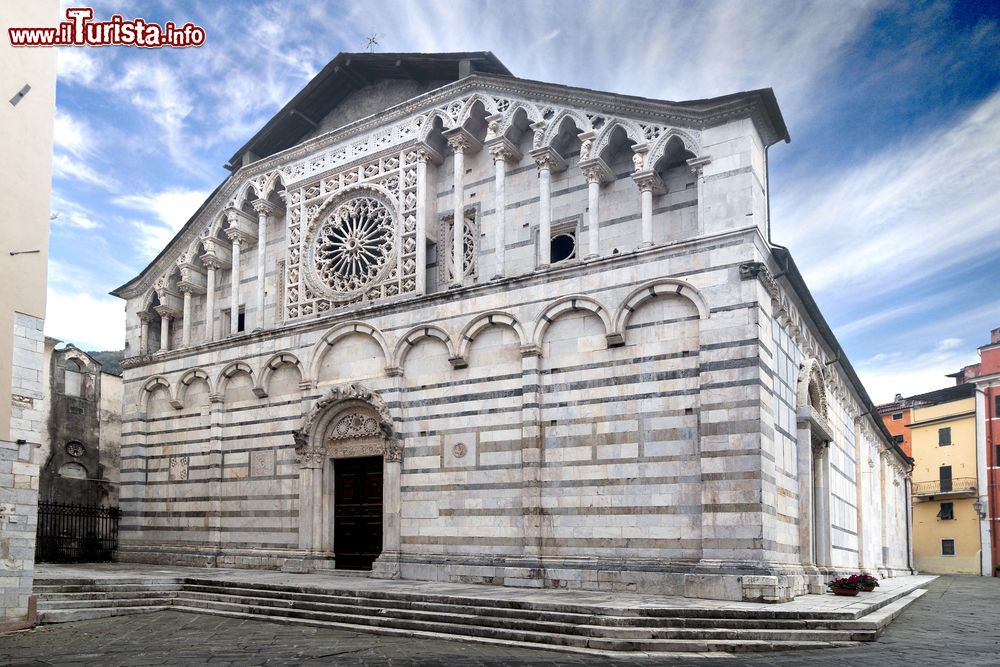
x: 957, y: 623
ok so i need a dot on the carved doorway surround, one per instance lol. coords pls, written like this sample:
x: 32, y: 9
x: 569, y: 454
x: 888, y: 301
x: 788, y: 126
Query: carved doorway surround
x: 349, y: 421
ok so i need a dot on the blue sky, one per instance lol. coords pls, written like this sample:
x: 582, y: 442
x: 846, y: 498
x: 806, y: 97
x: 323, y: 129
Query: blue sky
x: 888, y: 195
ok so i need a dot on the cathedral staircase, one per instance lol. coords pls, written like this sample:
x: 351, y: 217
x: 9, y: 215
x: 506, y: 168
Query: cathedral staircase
x: 555, y: 625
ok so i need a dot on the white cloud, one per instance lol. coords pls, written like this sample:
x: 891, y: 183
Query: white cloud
x: 66, y: 166
x: 72, y: 134
x: 78, y: 315
x: 87, y: 321
x: 159, y: 92
x: 77, y: 66
x: 884, y: 376
x: 172, y: 207
x: 912, y: 209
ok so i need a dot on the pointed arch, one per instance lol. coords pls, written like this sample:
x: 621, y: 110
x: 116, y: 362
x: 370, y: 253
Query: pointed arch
x: 489, y: 105
x: 581, y: 121
x: 262, y: 388
x: 566, y: 304
x: 659, y: 147
x: 229, y: 371
x: 416, y: 334
x: 426, y: 126
x: 480, y: 322
x: 631, y: 129
x: 269, y: 185
x: 655, y: 288
x: 242, y: 195
x: 328, y: 339
x: 531, y: 112
x: 185, y: 381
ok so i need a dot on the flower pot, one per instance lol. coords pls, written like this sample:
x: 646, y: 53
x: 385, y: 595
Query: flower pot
x: 849, y: 592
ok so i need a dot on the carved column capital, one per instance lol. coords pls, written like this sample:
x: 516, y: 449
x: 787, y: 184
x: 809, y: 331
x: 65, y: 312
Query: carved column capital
x: 697, y: 164
x: 596, y: 171
x: 461, y: 140
x: 264, y: 207
x: 649, y: 181
x: 165, y: 312
x: 503, y: 150
x: 548, y: 159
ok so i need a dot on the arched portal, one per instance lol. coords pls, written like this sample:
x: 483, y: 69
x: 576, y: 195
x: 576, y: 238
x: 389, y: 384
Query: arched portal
x: 349, y: 494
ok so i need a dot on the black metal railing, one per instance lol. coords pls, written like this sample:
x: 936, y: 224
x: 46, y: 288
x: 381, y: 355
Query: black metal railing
x: 76, y: 533
x: 946, y: 485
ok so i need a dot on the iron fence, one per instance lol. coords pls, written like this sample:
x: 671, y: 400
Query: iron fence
x: 76, y: 533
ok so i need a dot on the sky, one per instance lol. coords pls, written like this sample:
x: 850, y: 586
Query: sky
x: 887, y: 196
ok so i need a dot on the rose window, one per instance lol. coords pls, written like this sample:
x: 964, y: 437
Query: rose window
x: 354, y: 245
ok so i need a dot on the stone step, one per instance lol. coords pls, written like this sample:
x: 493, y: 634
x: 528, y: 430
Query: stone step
x: 45, y: 589
x: 559, y: 617
x: 150, y: 600
x: 86, y: 614
x: 519, y: 619
x: 607, y: 647
x: 507, y: 603
x: 518, y: 630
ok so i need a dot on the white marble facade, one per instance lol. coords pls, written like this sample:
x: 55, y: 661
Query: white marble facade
x: 646, y: 404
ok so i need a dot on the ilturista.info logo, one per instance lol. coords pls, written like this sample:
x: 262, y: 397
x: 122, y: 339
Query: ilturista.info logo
x: 79, y: 29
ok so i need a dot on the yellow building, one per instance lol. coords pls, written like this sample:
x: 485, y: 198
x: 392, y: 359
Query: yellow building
x: 945, y: 523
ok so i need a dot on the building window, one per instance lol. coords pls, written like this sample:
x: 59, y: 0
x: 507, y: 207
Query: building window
x: 996, y: 405
x: 896, y: 416
x: 944, y: 476
x: 563, y: 247
x: 944, y: 436
x: 996, y: 455
x: 241, y: 321
x: 898, y: 439
x: 948, y: 547
x: 74, y: 378
x: 947, y: 512
x: 227, y: 320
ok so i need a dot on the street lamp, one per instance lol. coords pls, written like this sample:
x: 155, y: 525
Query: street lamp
x: 978, y: 508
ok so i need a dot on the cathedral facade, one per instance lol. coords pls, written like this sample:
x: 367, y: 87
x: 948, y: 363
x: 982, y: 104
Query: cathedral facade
x: 447, y: 324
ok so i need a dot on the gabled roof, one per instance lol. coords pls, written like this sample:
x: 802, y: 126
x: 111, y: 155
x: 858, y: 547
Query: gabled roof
x: 349, y: 72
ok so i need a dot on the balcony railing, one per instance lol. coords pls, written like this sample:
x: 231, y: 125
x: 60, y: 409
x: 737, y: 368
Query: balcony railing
x: 957, y: 486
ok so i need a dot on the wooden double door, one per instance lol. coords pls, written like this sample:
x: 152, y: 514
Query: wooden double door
x: 357, y: 514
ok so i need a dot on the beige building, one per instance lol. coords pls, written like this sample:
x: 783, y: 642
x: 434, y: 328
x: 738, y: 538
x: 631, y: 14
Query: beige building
x: 945, y: 523
x: 27, y: 80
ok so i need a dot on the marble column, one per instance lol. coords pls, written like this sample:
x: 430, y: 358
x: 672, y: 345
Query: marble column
x: 265, y: 210
x: 544, y: 213
x: 234, y: 297
x: 459, y: 144
x: 596, y: 172
x: 186, y: 319
x: 210, y: 268
x: 649, y: 184
x: 421, y: 251
x: 165, y: 316
x: 144, y: 333
x: 500, y: 156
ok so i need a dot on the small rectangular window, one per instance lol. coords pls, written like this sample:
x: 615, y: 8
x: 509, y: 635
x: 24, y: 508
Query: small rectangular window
x: 947, y: 512
x: 948, y: 547
x: 944, y: 475
x: 996, y: 405
x: 898, y: 439
x: 996, y: 455
x: 241, y: 321
x: 944, y: 436
x: 896, y: 416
